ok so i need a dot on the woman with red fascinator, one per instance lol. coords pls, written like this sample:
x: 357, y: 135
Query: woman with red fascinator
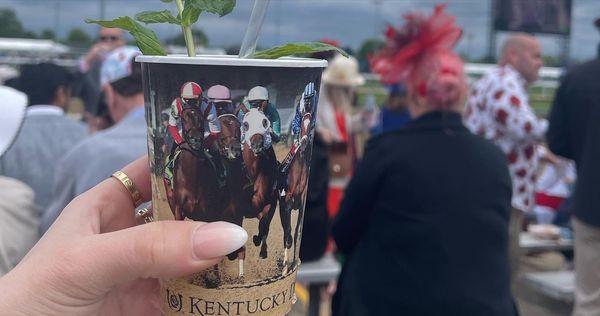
x: 424, y: 221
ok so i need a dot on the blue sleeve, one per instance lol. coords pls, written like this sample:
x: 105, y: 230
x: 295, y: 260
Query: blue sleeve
x: 296, y: 123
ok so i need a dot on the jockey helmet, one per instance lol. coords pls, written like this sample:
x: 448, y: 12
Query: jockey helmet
x: 190, y: 90
x: 258, y: 93
x: 219, y: 93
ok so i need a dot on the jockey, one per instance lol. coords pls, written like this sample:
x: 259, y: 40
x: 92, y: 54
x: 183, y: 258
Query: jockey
x: 306, y: 105
x: 220, y: 97
x: 191, y: 96
x: 258, y: 97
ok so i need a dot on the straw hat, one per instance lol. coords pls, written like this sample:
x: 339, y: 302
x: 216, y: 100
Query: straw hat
x: 11, y: 117
x: 343, y: 71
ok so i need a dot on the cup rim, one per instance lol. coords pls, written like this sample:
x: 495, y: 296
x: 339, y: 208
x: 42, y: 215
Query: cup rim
x: 233, y: 60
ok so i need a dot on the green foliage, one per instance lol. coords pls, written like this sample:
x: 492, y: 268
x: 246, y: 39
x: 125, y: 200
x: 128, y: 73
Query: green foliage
x: 296, y: 49
x: 10, y: 25
x: 368, y: 47
x: 199, y: 36
x: 145, y: 38
x: 48, y: 34
x: 79, y: 37
x: 551, y: 61
x: 164, y: 16
x: 188, y: 14
x: 220, y: 7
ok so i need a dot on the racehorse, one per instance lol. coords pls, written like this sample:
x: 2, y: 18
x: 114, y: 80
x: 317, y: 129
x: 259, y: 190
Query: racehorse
x: 261, y: 166
x: 229, y: 138
x: 294, y: 194
x: 236, y: 202
x: 195, y: 188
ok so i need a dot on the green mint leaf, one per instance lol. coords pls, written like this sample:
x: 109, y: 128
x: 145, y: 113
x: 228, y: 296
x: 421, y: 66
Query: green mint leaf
x: 164, y: 16
x: 145, y: 38
x: 220, y: 7
x: 296, y: 49
x: 190, y: 14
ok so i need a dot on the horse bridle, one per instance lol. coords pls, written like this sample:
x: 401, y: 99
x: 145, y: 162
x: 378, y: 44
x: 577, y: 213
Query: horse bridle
x: 234, y: 118
x: 204, y: 117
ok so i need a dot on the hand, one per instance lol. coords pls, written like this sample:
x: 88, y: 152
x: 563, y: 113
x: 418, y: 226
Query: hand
x: 93, y: 262
x: 97, y: 52
x: 549, y: 157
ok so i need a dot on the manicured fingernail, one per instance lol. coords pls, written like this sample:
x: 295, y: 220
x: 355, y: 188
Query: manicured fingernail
x: 217, y: 239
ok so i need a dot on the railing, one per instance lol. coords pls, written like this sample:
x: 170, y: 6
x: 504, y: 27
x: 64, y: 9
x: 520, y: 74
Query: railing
x: 541, y: 92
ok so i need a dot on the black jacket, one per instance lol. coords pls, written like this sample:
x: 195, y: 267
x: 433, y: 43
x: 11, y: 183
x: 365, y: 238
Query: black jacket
x: 574, y: 133
x: 424, y: 224
x: 316, y: 221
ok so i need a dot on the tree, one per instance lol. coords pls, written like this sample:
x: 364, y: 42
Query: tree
x: 551, y: 61
x: 367, y: 48
x: 200, y: 38
x: 10, y: 25
x: 48, y: 34
x: 78, y: 37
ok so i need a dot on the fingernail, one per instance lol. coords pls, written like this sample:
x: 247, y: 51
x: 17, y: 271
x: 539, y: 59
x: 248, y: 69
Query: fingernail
x: 217, y: 239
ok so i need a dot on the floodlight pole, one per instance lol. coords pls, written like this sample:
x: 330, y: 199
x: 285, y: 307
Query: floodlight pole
x: 102, y: 9
x: 492, y: 31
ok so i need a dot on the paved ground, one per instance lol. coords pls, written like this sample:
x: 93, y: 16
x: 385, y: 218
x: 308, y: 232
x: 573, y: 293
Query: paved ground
x: 530, y: 304
x: 533, y: 304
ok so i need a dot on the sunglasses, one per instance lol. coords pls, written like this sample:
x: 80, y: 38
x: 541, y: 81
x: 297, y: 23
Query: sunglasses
x: 256, y: 103
x: 109, y: 38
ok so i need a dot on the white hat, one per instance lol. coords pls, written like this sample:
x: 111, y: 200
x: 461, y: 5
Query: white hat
x: 117, y: 64
x: 343, y: 71
x: 11, y: 117
x: 258, y: 93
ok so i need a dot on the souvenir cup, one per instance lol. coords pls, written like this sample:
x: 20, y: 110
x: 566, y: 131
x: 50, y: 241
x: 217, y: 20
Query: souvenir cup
x: 230, y: 139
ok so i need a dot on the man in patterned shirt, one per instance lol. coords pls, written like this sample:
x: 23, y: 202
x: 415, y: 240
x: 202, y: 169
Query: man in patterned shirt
x: 498, y: 109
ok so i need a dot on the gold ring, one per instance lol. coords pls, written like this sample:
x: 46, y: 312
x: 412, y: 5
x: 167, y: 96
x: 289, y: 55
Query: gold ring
x: 136, y: 196
x: 144, y: 214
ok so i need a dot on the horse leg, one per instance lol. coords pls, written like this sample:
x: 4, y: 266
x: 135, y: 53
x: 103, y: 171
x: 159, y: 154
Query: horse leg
x: 257, y: 204
x: 285, y: 216
x: 241, y: 257
x: 297, y: 230
x: 263, y: 229
x: 285, y: 260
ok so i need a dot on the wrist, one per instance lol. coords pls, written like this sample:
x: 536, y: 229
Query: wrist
x: 13, y: 300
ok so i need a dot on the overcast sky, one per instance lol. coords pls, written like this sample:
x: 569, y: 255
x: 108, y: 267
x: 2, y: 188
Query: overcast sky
x: 348, y: 21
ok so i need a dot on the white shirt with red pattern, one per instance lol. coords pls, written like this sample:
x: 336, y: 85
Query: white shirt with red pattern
x: 498, y: 109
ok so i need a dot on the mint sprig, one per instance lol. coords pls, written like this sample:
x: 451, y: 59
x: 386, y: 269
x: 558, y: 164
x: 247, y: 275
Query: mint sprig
x: 188, y: 13
x: 296, y: 49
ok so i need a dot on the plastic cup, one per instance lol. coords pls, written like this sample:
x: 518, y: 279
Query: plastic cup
x: 242, y: 158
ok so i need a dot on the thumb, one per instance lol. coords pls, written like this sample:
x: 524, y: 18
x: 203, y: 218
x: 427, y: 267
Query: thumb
x: 162, y: 249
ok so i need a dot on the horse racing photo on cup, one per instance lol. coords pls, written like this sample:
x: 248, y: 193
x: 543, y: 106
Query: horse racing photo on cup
x: 234, y: 144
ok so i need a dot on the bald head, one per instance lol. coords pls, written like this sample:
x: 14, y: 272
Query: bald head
x: 523, y: 52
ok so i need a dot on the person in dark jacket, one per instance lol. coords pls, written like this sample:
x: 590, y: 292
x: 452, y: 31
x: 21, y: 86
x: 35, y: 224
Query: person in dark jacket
x: 424, y: 221
x: 574, y: 133
x: 315, y: 229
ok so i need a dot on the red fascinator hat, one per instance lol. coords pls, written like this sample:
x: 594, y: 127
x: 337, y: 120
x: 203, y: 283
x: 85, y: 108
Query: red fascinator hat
x: 420, y: 53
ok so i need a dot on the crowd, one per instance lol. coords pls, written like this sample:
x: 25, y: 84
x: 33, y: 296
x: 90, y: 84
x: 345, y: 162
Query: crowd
x: 426, y: 221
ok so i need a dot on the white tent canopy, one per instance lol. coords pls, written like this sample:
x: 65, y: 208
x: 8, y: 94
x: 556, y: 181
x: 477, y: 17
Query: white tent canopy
x: 32, y: 46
